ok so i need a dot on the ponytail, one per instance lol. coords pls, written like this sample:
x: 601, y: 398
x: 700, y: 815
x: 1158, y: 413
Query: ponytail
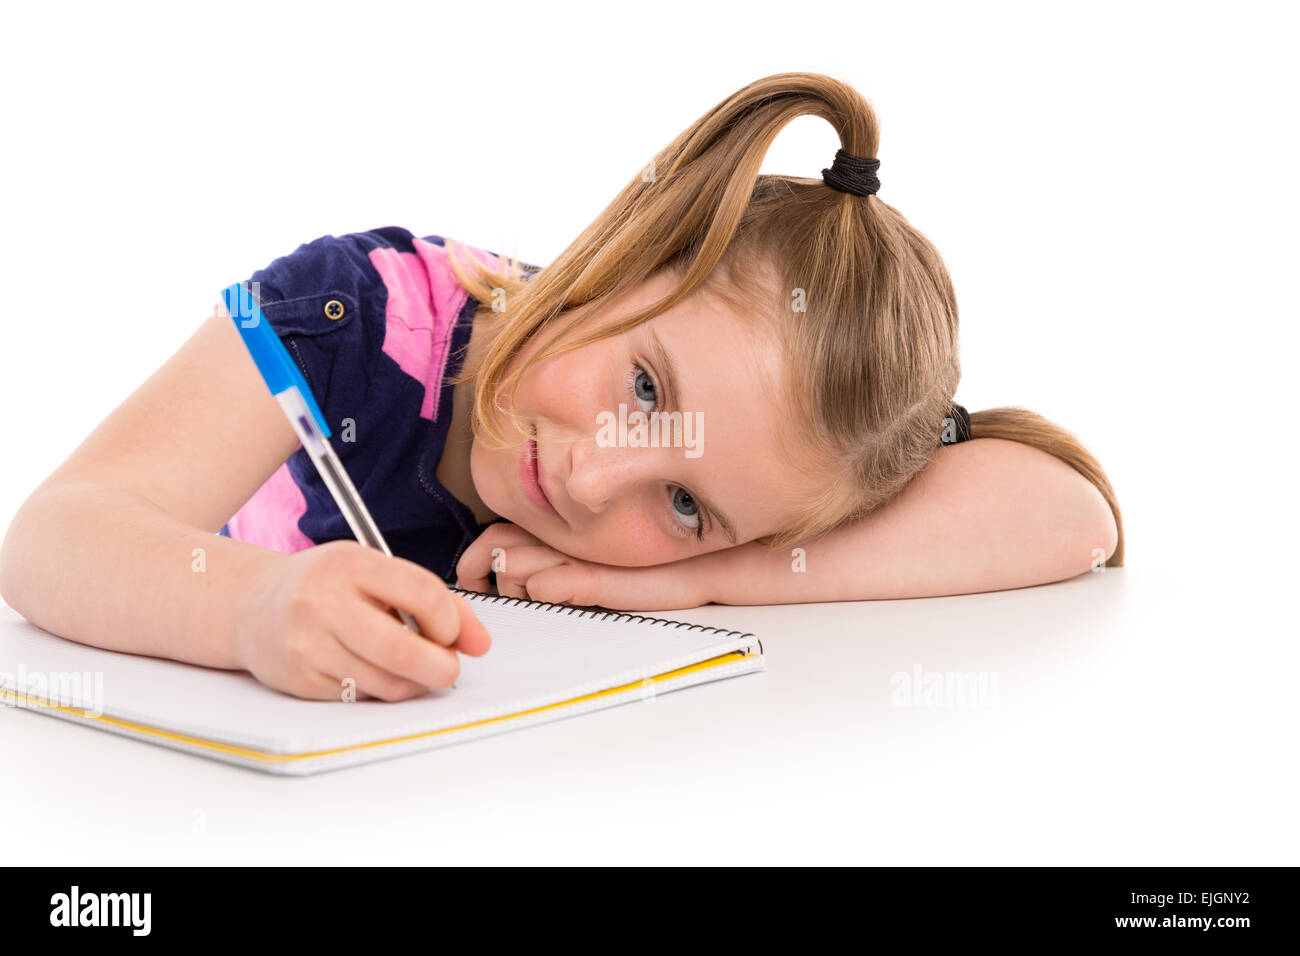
x: 1026, y: 427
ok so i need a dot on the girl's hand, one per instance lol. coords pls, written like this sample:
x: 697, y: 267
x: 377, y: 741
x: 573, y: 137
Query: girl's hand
x: 527, y: 568
x: 323, y: 618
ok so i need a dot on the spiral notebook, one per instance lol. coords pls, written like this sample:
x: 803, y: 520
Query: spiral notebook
x: 547, y: 662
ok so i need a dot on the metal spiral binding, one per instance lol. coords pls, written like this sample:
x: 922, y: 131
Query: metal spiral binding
x: 598, y: 615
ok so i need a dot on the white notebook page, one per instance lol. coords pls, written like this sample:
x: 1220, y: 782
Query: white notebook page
x: 540, y: 655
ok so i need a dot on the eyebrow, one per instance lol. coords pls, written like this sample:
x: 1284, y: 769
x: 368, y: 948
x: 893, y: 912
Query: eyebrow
x: 673, y: 401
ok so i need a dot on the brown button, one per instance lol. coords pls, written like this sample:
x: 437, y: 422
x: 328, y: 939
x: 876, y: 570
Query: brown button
x: 333, y: 309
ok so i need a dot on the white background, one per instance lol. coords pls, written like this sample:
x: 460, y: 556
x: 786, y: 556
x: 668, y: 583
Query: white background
x: 1113, y: 188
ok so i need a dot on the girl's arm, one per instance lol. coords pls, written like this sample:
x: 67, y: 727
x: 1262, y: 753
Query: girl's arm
x: 104, y: 550
x: 118, y: 547
x: 985, y: 515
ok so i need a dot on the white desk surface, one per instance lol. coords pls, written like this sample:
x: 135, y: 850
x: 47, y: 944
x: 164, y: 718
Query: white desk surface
x: 1142, y: 716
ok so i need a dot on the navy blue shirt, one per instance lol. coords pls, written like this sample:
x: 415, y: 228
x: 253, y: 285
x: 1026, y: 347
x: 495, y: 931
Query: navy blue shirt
x: 377, y: 322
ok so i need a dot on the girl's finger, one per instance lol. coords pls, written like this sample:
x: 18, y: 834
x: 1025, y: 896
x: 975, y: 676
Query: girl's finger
x: 400, y: 583
x: 644, y: 589
x: 473, y: 567
x: 523, y: 563
x: 379, y: 638
x: 340, y: 664
x: 565, y: 584
x: 474, y: 638
x: 317, y: 686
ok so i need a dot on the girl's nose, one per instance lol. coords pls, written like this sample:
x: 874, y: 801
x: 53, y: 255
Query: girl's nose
x: 600, y: 474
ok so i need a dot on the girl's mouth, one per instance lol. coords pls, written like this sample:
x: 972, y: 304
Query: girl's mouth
x: 530, y: 476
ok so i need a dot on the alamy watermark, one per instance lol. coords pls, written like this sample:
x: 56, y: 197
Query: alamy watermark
x: 75, y: 690
x: 958, y: 690
x: 638, y: 429
x: 79, y: 908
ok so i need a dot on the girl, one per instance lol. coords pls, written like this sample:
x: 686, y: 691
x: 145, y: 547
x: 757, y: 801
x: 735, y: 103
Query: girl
x: 802, y: 328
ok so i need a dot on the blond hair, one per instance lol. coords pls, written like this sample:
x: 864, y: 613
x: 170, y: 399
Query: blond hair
x: 875, y: 342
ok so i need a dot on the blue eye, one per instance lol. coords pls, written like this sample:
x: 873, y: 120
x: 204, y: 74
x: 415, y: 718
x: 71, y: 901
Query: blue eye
x: 687, y: 511
x: 643, y: 388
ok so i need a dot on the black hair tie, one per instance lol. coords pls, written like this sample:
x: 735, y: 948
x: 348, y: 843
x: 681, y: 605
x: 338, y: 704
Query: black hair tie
x: 852, y: 174
x: 961, y: 426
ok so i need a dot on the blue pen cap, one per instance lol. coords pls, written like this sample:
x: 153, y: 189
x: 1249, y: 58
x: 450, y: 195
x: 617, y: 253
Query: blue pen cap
x: 268, y: 352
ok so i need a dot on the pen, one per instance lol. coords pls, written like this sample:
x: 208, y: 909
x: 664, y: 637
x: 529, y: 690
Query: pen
x: 299, y: 405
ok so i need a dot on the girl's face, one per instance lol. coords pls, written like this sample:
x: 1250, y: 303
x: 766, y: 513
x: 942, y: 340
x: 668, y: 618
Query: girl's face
x: 608, y: 492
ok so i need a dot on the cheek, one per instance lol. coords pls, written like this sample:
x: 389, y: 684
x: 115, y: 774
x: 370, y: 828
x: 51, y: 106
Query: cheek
x: 492, y: 472
x: 628, y: 537
x: 566, y: 387
x: 625, y: 538
x: 483, y: 474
